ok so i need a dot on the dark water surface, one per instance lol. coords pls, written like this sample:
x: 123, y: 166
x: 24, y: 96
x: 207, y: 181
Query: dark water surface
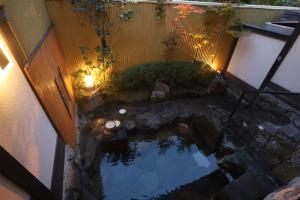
x: 154, y: 165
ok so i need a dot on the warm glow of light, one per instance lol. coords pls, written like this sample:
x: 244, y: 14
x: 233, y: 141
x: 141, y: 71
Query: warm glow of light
x: 110, y: 125
x: 122, y: 111
x: 213, y: 66
x: 6, y: 52
x: 89, y: 81
x: 117, y: 123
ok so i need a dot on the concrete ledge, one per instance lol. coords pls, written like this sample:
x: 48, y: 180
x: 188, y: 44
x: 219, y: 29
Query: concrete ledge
x: 267, y: 7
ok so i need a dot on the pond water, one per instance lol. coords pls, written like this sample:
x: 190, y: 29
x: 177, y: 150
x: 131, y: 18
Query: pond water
x: 152, y: 165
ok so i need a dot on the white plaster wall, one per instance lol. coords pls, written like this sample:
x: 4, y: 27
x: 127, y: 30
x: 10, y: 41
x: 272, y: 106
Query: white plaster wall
x: 288, y: 74
x: 9, y: 191
x: 25, y: 131
x: 253, y: 57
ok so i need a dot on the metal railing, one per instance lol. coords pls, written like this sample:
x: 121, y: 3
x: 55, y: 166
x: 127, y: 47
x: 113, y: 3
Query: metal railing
x: 242, y: 96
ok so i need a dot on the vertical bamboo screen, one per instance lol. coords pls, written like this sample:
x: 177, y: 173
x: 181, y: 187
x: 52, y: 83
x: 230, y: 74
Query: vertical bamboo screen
x: 139, y: 40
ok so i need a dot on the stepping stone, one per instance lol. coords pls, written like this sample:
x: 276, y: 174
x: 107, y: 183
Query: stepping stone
x: 247, y: 187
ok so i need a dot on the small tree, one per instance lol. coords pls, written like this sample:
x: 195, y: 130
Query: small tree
x: 178, y: 31
x: 100, y: 13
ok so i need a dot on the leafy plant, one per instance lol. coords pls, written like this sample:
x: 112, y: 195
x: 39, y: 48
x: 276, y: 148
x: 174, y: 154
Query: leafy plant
x: 100, y: 12
x: 126, y: 15
x: 175, y: 74
x: 236, y: 29
x: 170, y: 42
x: 160, y: 10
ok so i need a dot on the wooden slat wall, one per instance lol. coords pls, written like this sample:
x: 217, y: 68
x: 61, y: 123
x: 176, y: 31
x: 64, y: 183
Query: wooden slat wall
x: 140, y: 39
x: 41, y: 71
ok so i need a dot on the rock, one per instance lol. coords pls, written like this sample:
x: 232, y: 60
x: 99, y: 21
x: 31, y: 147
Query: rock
x: 239, y: 162
x: 247, y: 187
x: 167, y: 112
x: 185, y: 92
x: 295, y: 182
x: 296, y: 122
x: 277, y: 149
x: 271, y: 103
x: 228, y: 145
x: 118, y: 135
x: 232, y: 95
x: 89, y: 152
x: 93, y: 102
x: 289, y: 192
x: 218, y: 85
x: 86, y: 195
x: 236, y: 163
x: 129, y: 124
x: 259, y: 140
x: 161, y: 91
x: 183, y: 129
x: 285, y: 172
x: 291, y: 131
x: 295, y: 158
x: 130, y: 97
x: 84, y: 179
x: 270, y: 127
x: 148, y: 120
x: 96, y: 126
x: 281, y: 146
x: 210, y: 129
x: 266, y: 157
x: 284, y: 140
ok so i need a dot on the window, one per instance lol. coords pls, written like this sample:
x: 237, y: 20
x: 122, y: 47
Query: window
x: 61, y: 85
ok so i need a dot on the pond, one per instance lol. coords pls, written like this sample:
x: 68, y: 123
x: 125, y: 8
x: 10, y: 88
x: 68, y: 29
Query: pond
x: 157, y: 166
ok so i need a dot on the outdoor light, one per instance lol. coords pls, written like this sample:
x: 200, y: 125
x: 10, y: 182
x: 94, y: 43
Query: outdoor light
x: 5, y: 58
x: 110, y: 125
x: 89, y: 81
x: 122, y: 111
x: 117, y: 123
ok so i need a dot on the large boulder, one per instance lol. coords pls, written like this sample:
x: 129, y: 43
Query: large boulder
x: 148, y: 120
x: 229, y: 145
x: 210, y: 129
x: 241, y: 161
x: 129, y: 96
x: 160, y: 91
x: 93, y: 102
x: 218, y: 86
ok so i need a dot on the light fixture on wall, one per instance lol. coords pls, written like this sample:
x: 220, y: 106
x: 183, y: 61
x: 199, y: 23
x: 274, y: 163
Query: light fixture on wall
x: 5, y: 59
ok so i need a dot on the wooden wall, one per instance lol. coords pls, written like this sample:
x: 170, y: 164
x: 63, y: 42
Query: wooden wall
x: 139, y: 40
x: 29, y: 20
x: 42, y: 70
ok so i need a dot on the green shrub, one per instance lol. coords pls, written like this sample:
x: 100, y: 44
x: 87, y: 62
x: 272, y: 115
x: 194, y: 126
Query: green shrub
x: 175, y: 74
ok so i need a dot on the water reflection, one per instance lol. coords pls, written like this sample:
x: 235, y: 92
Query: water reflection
x: 153, y: 165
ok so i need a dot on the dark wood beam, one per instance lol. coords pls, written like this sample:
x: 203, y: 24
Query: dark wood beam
x: 266, y: 32
x: 292, y: 24
x: 58, y: 169
x: 230, y: 54
x: 285, y: 50
x: 19, y: 175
